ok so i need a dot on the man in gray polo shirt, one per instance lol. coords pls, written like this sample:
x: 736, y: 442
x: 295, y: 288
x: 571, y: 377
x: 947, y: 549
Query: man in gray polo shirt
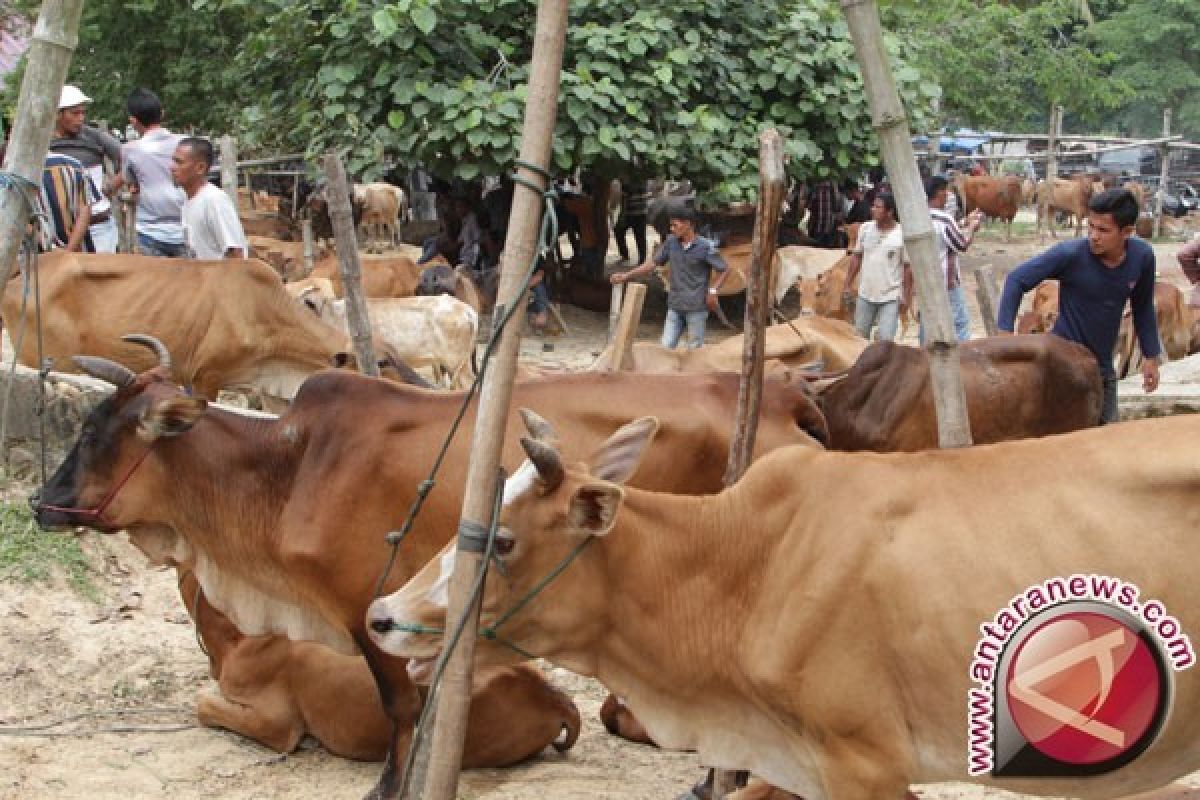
x: 90, y: 146
x: 689, y: 297
x: 148, y: 168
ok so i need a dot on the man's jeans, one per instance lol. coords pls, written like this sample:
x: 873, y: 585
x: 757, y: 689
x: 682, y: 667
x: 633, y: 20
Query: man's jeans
x: 673, y: 328
x: 867, y: 313
x: 958, y: 313
x: 154, y: 247
x: 104, y: 236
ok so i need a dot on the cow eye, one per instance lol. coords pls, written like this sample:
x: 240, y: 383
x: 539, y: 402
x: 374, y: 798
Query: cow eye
x: 504, y: 544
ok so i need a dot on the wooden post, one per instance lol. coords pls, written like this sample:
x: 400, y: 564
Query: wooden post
x: 891, y: 125
x: 520, y: 249
x: 985, y: 291
x: 310, y: 257
x: 621, y: 346
x: 772, y: 185
x: 1045, y: 214
x: 348, y: 264
x: 1164, y: 177
x: 229, y: 171
x: 614, y: 308
x: 53, y: 42
x: 128, y: 220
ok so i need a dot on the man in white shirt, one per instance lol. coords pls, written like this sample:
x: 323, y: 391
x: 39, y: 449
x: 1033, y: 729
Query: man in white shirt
x: 148, y: 172
x: 886, y: 281
x: 211, y: 228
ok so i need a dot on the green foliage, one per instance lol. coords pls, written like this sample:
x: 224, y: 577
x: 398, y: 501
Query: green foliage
x: 671, y: 88
x: 31, y: 555
x: 1156, y: 49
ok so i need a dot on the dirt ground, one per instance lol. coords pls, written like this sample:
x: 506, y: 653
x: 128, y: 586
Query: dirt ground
x: 69, y: 665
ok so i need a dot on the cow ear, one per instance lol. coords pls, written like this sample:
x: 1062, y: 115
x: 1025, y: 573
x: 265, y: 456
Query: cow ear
x: 618, y: 458
x: 170, y: 417
x: 593, y: 508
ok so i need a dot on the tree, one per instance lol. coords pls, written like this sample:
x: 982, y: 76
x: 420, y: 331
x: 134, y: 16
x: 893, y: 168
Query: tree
x: 671, y: 88
x: 1156, y: 49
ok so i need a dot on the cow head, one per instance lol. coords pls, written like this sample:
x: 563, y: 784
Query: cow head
x: 105, y: 472
x: 551, y: 513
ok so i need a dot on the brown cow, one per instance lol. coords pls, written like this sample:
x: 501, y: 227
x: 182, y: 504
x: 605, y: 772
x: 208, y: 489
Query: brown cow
x: 1175, y: 324
x: 1017, y: 387
x: 228, y: 324
x: 286, y: 257
x: 996, y: 197
x: 382, y: 275
x: 824, y: 294
x: 1044, y: 311
x: 274, y: 691
x: 284, y: 520
x: 1069, y: 195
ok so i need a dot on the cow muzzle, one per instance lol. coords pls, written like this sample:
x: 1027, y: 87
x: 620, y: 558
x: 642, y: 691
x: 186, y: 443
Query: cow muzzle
x: 395, y: 636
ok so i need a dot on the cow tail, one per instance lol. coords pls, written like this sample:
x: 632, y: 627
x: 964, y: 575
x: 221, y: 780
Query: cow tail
x: 570, y: 728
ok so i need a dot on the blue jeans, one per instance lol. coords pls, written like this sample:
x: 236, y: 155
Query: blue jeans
x: 958, y: 313
x: 867, y: 313
x: 673, y: 328
x: 154, y: 247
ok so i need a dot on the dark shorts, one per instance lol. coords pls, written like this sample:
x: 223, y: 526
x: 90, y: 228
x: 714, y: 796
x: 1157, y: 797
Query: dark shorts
x: 539, y: 299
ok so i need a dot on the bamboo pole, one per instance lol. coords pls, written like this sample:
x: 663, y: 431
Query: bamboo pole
x: 985, y: 292
x: 520, y: 249
x: 229, y: 169
x: 891, y: 126
x: 1170, y: 141
x: 55, y: 36
x: 1165, y: 177
x: 348, y: 264
x: 306, y: 233
x: 1044, y: 197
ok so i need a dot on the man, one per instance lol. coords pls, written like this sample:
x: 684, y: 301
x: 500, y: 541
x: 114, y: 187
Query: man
x: 886, y: 283
x: 148, y: 171
x: 67, y: 195
x: 824, y: 214
x: 90, y: 146
x: 1096, y: 276
x: 211, y: 227
x: 951, y: 242
x: 470, y: 235
x: 689, y: 297
x: 858, y: 209
x: 1189, y: 261
x: 634, y: 202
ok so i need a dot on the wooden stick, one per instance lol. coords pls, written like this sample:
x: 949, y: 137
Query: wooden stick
x: 306, y: 233
x: 614, y: 308
x: 985, y: 291
x: 621, y: 347
x: 53, y: 42
x: 895, y: 140
x: 229, y: 169
x: 520, y: 248
x: 348, y: 264
x: 1045, y: 213
x: 1164, y: 180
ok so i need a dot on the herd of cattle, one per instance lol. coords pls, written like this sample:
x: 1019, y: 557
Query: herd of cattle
x: 824, y: 645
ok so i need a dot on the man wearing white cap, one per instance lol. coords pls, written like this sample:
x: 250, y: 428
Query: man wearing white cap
x: 90, y: 146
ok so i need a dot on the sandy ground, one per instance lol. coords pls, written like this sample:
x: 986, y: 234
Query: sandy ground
x: 69, y: 664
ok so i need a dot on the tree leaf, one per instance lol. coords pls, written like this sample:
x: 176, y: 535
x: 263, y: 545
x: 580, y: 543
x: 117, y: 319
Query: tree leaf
x: 424, y: 18
x: 384, y: 23
x: 396, y: 118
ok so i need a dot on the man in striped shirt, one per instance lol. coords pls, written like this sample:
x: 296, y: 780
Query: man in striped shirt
x: 951, y: 242
x: 67, y: 196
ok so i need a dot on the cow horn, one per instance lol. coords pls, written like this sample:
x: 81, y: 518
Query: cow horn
x: 160, y: 349
x: 546, y: 460
x: 118, y: 375
x: 538, y: 427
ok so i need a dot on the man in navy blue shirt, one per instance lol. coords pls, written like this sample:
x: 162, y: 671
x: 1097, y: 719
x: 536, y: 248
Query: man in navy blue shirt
x: 1096, y: 276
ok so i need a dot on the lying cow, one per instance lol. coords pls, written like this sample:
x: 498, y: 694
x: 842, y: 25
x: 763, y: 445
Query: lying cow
x: 436, y: 332
x: 382, y: 276
x: 831, y: 652
x: 1016, y: 387
x: 275, y: 691
x: 228, y: 324
x: 283, y: 521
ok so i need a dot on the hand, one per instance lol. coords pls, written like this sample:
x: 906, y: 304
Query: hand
x: 975, y: 218
x: 618, y: 277
x: 1150, y: 374
x: 710, y: 300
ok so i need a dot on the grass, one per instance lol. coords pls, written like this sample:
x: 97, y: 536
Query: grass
x: 30, y: 555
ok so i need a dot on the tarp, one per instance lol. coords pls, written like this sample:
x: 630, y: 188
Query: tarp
x: 961, y: 142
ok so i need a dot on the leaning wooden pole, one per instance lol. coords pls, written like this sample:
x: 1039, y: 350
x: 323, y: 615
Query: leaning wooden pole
x: 895, y: 142
x: 1164, y: 179
x: 1045, y: 206
x: 772, y: 185
x: 229, y: 169
x: 349, y: 266
x: 54, y: 39
x: 520, y: 248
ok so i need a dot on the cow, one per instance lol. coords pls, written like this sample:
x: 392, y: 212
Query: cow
x: 441, y: 278
x: 798, y: 264
x: 228, y: 324
x: 833, y: 652
x: 382, y: 206
x: 1070, y: 196
x: 436, y: 332
x: 1016, y: 387
x: 286, y: 257
x: 283, y: 521
x: 997, y: 197
x: 382, y: 275
x: 274, y: 691
x: 1175, y: 324
x: 807, y: 341
x: 1043, y: 312
x: 824, y: 294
